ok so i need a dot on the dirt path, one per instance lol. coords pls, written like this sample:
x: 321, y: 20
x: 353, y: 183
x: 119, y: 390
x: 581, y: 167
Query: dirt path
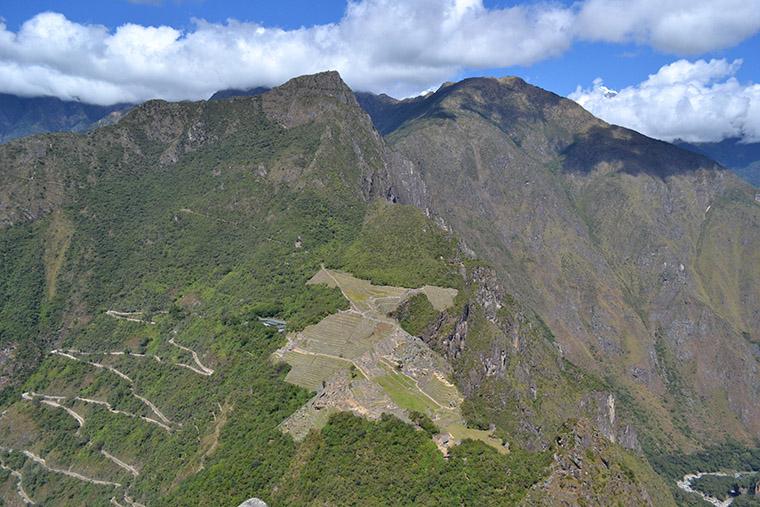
x: 130, y: 316
x: 200, y: 369
x: 152, y: 407
x: 146, y: 401
x: 114, y: 353
x: 19, y: 486
x: 53, y: 402
x: 131, y: 502
x: 126, y: 499
x: 129, y: 468
x: 41, y: 461
x: 203, y: 370
x: 128, y: 414
x: 68, y: 355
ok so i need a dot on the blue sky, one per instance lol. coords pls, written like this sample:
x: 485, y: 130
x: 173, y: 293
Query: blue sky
x: 558, y: 46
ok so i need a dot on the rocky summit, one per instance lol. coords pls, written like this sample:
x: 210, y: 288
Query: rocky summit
x: 303, y: 295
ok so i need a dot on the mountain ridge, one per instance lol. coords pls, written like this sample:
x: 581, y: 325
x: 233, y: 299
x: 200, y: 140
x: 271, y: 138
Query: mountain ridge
x: 23, y: 116
x: 569, y: 173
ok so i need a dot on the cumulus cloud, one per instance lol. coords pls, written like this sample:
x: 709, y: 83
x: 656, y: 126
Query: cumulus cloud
x: 683, y: 27
x: 695, y: 101
x: 395, y: 46
x: 381, y: 45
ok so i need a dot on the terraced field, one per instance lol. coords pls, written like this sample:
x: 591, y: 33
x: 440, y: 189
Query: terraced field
x: 346, y: 334
x: 310, y: 370
x: 390, y: 370
x: 405, y: 393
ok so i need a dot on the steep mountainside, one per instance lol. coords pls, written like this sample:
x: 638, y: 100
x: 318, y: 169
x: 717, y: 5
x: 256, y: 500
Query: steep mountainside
x: 138, y: 261
x: 23, y: 116
x: 641, y: 257
x: 743, y: 158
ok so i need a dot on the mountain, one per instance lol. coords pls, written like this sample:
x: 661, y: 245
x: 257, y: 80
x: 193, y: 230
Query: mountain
x: 743, y: 158
x: 235, y: 92
x: 640, y: 257
x: 138, y: 260
x: 23, y: 116
x: 475, y: 306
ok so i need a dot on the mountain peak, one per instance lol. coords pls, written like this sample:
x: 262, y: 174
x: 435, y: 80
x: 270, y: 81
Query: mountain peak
x: 511, y: 80
x: 323, y: 83
x: 304, y: 98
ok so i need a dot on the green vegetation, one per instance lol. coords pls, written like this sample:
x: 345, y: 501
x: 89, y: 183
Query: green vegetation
x: 547, y: 392
x: 389, y: 463
x: 424, y: 422
x: 399, y: 246
x: 728, y: 456
x: 204, y: 247
x: 746, y: 501
x: 21, y: 283
x: 416, y: 314
x: 723, y: 487
x: 22, y: 286
x: 202, y: 218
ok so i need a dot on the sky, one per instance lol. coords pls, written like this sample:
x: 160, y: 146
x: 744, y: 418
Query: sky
x: 686, y: 69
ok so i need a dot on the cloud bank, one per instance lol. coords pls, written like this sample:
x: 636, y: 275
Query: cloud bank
x: 396, y: 46
x: 694, y: 101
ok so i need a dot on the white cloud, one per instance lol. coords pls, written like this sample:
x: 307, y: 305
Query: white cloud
x: 684, y: 27
x: 396, y: 46
x: 694, y: 101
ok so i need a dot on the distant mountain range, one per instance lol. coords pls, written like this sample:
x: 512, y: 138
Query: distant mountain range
x: 23, y: 116
x: 234, y: 92
x: 743, y: 158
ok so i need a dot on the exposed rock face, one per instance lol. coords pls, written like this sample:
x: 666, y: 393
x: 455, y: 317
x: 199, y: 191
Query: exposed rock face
x: 641, y: 257
x: 641, y: 262
x: 601, y: 407
x: 512, y: 371
x: 589, y: 470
